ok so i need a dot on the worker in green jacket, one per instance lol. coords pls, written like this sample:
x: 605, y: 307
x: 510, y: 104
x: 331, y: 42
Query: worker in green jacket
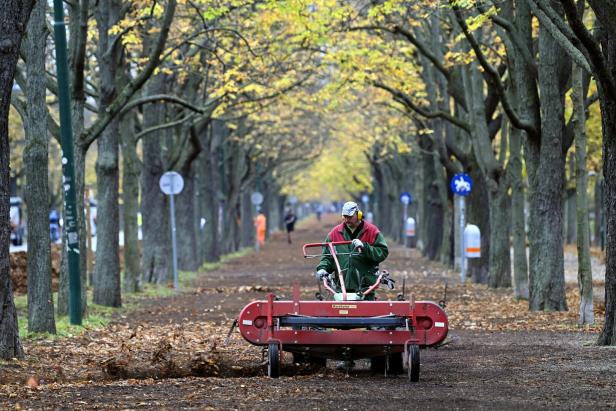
x: 369, y: 249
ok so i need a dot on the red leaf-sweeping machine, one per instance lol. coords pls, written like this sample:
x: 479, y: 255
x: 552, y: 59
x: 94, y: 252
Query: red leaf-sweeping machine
x: 345, y: 328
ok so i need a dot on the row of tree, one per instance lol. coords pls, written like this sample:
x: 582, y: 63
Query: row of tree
x: 321, y: 100
x: 493, y: 93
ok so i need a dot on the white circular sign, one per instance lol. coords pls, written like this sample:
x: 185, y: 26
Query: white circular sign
x: 171, y: 183
x: 365, y: 199
x: 292, y: 200
x: 256, y: 198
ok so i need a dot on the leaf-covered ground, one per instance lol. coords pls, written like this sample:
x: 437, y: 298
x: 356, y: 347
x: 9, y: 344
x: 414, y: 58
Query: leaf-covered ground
x: 171, y: 352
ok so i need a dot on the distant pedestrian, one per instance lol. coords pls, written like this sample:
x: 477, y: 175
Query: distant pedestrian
x: 54, y: 226
x: 289, y: 220
x: 319, y: 212
x: 260, y: 225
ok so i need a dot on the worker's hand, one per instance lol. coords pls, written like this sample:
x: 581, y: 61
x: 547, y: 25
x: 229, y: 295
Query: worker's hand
x: 357, y: 243
x: 390, y: 283
x: 320, y: 274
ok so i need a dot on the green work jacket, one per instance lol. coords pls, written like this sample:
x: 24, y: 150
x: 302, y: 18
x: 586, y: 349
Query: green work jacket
x: 358, y: 269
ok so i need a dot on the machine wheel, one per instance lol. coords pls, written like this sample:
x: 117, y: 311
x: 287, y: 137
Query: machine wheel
x: 413, y: 363
x: 273, y: 360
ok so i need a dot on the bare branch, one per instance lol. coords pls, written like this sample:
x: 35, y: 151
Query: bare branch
x: 131, y: 88
x: 493, y: 76
x: 406, y: 101
x: 554, y: 24
x: 594, y: 51
x: 169, y: 98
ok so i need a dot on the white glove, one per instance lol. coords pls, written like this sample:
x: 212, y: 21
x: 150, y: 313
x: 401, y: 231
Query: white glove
x: 321, y: 274
x: 357, y: 243
x: 388, y: 282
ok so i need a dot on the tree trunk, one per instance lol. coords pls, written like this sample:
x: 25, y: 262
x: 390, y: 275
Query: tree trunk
x: 14, y: 17
x: 156, y: 257
x: 546, y: 277
x: 186, y: 223
x: 500, y: 255
x: 570, y: 215
x: 599, y: 213
x: 40, y: 296
x: 107, y: 288
x: 525, y: 97
x: 130, y: 196
x: 247, y: 225
x: 518, y: 226
x: 608, y: 122
x: 210, y: 184
x: 586, y: 315
x: 476, y: 213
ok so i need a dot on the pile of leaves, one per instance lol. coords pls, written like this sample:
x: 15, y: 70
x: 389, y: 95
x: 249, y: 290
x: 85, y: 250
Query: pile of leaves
x: 122, y: 352
x: 19, y: 269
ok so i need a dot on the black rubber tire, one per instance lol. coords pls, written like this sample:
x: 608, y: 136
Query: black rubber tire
x: 273, y: 360
x: 413, y: 363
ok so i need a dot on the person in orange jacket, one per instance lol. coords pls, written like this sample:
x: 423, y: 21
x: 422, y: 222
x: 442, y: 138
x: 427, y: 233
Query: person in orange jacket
x: 260, y: 225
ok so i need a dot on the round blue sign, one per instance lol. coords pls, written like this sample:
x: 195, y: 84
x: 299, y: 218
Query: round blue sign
x: 461, y: 184
x: 406, y: 198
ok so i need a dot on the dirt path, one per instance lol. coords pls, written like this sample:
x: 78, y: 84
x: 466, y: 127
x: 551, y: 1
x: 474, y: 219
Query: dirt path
x: 170, y: 353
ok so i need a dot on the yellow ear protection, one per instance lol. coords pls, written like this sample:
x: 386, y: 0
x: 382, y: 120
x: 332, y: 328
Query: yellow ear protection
x: 359, y: 215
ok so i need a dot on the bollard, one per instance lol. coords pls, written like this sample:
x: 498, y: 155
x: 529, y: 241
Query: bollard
x: 472, y: 241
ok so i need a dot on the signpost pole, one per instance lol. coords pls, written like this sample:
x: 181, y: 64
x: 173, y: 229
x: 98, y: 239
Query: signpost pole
x: 405, y: 199
x: 462, y: 208
x: 176, y: 280
x: 68, y: 170
x: 461, y: 185
x: 172, y: 183
x: 404, y: 236
x: 256, y: 199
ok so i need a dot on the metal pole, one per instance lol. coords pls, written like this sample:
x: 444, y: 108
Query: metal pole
x: 68, y: 171
x: 176, y: 280
x: 462, y: 223
x: 405, y: 237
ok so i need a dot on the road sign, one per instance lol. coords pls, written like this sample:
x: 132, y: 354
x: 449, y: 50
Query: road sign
x: 171, y: 183
x: 256, y: 198
x: 406, y: 198
x: 365, y: 198
x: 461, y: 184
x: 292, y: 200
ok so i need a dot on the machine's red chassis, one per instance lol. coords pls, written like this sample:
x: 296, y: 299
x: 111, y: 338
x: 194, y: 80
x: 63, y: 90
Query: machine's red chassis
x: 423, y: 323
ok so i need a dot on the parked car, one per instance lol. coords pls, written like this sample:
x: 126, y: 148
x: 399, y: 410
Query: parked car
x: 17, y: 221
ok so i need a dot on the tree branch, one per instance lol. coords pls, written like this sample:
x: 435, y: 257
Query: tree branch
x: 406, y: 101
x: 163, y: 126
x: 515, y: 39
x: 169, y: 98
x: 494, y: 76
x: 594, y: 51
x: 131, y: 88
x: 554, y: 24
